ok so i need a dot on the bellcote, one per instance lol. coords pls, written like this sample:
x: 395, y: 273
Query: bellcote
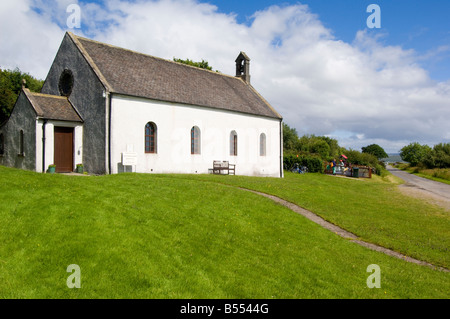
x: 243, y: 67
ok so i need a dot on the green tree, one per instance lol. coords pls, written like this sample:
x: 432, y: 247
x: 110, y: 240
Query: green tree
x: 10, y: 87
x: 290, y: 139
x: 439, y: 157
x: 320, y: 147
x: 376, y: 150
x: 324, y: 146
x: 335, y: 149
x: 414, y: 153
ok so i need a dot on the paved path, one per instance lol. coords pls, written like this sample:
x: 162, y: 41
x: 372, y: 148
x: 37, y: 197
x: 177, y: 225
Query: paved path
x: 342, y: 232
x: 433, y: 189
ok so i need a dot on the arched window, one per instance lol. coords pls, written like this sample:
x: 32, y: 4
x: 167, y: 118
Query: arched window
x: 150, y: 138
x: 195, y: 140
x: 233, y: 143
x: 2, y: 144
x: 262, y: 144
x: 21, y: 149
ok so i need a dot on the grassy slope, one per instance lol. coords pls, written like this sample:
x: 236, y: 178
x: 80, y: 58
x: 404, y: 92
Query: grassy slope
x: 147, y: 236
x: 372, y: 209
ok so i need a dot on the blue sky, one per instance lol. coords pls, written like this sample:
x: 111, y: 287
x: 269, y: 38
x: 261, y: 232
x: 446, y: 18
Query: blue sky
x: 315, y: 61
x: 423, y: 26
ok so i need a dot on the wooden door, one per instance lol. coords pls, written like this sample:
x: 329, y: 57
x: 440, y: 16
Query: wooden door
x: 63, y: 149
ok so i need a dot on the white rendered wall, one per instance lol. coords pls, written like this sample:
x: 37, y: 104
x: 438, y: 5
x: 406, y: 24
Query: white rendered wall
x: 129, y: 116
x: 38, y: 146
x: 78, y: 145
x: 49, y: 145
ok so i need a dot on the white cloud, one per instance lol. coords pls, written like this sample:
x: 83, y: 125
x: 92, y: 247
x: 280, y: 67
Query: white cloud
x: 320, y: 85
x: 28, y: 39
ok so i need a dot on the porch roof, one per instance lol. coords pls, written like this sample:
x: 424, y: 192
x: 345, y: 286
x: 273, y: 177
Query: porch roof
x: 52, y: 107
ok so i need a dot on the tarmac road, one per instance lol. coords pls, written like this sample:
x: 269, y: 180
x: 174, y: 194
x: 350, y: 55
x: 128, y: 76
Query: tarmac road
x: 434, y: 188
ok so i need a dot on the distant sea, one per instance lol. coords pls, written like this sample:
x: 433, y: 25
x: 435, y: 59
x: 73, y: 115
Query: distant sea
x: 394, y: 157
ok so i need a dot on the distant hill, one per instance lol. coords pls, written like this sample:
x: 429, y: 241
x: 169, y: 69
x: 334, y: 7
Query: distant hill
x: 393, y: 157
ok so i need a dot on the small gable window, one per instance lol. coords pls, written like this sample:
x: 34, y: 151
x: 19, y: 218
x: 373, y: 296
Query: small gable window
x: 195, y: 140
x: 233, y: 143
x: 262, y: 144
x: 2, y: 144
x: 150, y: 138
x: 65, y: 84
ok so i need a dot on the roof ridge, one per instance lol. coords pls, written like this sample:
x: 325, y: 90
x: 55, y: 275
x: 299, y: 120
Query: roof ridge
x: 28, y: 94
x: 220, y: 91
x: 89, y: 60
x: 48, y: 95
x: 152, y: 56
x: 42, y: 112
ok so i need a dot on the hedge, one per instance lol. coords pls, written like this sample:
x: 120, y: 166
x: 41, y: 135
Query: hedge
x: 314, y: 164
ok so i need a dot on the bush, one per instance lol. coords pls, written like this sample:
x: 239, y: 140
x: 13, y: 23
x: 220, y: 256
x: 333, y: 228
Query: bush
x: 439, y: 157
x: 364, y: 159
x: 380, y: 169
x: 313, y: 163
x: 442, y: 173
x: 321, y: 148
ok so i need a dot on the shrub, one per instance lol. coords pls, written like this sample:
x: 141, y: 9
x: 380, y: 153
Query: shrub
x: 358, y: 158
x: 439, y: 157
x: 380, y: 169
x: 442, y: 173
x: 313, y: 163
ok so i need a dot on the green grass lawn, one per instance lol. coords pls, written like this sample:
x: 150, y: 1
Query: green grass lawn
x: 192, y: 236
x: 373, y: 209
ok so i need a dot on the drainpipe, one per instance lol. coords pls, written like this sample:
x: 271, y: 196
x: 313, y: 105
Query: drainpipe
x: 109, y: 132
x: 281, y: 148
x: 43, y: 146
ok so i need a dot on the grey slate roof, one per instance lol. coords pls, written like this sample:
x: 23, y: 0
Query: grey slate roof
x: 52, y: 107
x: 131, y: 73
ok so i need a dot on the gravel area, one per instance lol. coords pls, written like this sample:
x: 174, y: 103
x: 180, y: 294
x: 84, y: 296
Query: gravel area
x: 431, y: 191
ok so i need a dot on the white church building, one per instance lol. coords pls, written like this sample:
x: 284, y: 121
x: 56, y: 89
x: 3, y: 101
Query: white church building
x: 115, y: 110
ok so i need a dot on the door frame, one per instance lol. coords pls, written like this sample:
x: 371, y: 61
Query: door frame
x: 72, y: 132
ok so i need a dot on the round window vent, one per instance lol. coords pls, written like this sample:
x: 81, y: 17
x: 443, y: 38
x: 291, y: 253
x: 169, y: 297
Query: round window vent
x: 66, y: 83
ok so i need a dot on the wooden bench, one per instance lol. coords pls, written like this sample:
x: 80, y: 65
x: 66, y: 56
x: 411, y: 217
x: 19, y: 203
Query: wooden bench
x: 223, y: 166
